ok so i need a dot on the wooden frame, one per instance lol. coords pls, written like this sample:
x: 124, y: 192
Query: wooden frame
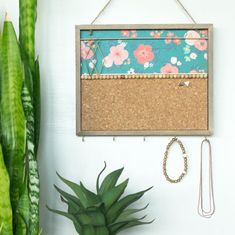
x: 207, y: 132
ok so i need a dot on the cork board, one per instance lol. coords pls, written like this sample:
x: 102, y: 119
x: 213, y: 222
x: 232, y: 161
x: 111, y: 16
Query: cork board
x: 144, y: 80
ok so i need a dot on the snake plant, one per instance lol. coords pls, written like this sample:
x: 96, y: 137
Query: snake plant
x: 20, y: 120
x: 105, y: 212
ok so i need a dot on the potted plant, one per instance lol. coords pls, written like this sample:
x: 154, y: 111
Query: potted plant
x: 105, y: 212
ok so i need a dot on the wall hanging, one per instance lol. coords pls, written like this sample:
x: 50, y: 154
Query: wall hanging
x: 147, y: 80
x: 144, y: 79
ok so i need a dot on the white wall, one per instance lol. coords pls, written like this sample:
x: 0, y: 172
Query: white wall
x: 173, y: 206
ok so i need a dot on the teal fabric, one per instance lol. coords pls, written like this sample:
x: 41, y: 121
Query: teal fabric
x: 144, y: 51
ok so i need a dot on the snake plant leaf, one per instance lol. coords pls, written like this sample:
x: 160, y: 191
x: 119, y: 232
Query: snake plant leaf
x: 128, y: 212
x: 5, y: 202
x: 110, y: 181
x: 113, y: 195
x: 28, y: 16
x: 30, y: 161
x: 37, y: 105
x: 115, y: 211
x: 69, y: 216
x: 23, y: 212
x: 13, y: 129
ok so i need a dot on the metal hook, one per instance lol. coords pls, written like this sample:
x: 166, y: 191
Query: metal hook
x: 144, y: 138
x: 114, y: 139
x: 83, y: 139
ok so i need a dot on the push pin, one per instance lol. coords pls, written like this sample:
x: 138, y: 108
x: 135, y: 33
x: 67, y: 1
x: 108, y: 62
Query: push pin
x: 186, y: 84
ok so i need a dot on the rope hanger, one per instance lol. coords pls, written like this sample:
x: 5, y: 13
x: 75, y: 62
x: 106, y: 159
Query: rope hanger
x: 178, y: 1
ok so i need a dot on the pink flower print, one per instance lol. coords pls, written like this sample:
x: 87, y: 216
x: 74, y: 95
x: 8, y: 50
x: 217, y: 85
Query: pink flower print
x: 86, y: 52
x: 144, y: 54
x: 177, y: 41
x: 118, y: 54
x: 168, y: 40
x: 169, y: 68
x: 157, y: 35
x: 107, y: 62
x: 201, y: 45
x: 190, y: 37
x: 125, y: 33
x: 134, y: 35
x: 204, y: 33
x: 170, y: 34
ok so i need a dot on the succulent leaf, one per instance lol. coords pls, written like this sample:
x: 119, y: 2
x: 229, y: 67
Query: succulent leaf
x: 126, y: 225
x: 113, y: 195
x: 78, y: 191
x: 98, y: 178
x: 71, y: 200
x: 103, y: 213
x: 69, y: 216
x: 94, y: 218
x: 115, y: 211
x: 128, y: 212
x: 110, y: 181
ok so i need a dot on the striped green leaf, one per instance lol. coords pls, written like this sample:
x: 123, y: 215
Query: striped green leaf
x: 13, y: 129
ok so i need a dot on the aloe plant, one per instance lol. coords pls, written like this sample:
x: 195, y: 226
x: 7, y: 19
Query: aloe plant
x: 105, y: 212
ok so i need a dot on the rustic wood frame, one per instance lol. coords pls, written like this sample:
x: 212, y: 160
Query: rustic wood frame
x: 207, y: 132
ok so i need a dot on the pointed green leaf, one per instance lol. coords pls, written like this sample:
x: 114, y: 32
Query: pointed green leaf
x: 115, y: 211
x: 69, y: 216
x: 72, y: 200
x: 113, y: 195
x: 128, y: 212
x: 98, y: 178
x: 87, y: 198
x: 94, y: 218
x: 77, y: 190
x: 91, y: 197
x: 110, y: 181
x: 125, y: 225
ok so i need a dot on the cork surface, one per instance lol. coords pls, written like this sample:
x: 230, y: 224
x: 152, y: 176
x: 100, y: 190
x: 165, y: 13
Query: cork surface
x: 158, y: 104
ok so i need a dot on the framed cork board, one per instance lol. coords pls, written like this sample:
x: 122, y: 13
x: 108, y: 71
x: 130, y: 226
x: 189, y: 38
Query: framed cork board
x: 144, y: 79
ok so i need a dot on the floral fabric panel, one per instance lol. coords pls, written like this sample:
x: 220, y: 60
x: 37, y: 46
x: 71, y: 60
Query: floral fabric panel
x: 144, y: 51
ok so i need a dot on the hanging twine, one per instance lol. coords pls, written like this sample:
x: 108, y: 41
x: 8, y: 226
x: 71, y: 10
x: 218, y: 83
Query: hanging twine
x: 109, y: 2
